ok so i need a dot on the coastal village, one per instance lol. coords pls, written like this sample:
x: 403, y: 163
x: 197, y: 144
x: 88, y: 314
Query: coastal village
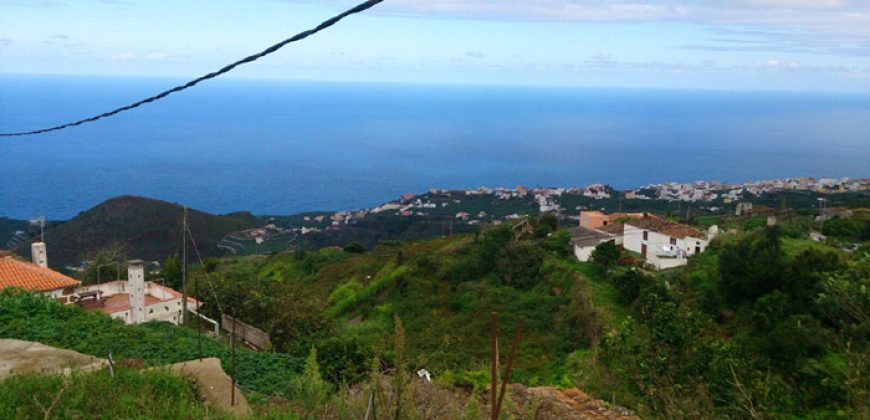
x: 493, y: 206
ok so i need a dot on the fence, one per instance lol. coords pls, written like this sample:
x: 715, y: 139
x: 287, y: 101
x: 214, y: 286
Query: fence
x: 252, y: 335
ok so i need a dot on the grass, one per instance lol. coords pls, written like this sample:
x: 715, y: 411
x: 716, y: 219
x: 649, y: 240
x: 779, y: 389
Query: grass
x: 792, y: 247
x: 604, y: 295
x: 128, y: 395
x: 31, y: 317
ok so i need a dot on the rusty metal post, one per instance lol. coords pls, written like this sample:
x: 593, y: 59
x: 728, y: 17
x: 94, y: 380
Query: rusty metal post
x: 510, y: 364
x: 494, y: 369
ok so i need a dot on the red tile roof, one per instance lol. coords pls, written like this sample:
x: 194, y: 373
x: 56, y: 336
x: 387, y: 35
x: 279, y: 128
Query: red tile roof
x: 31, y: 277
x: 666, y: 227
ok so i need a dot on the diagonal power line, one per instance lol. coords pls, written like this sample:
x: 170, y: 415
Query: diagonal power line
x: 298, y: 37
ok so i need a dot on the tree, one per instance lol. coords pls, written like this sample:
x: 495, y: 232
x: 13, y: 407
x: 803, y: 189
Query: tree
x: 545, y: 225
x: 310, y: 391
x: 751, y: 267
x: 355, y: 247
x: 843, y: 227
x: 172, y: 272
x: 106, y: 264
x: 605, y: 255
x: 629, y: 285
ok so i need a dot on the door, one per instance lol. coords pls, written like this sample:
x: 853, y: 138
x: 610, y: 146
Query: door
x: 643, y: 250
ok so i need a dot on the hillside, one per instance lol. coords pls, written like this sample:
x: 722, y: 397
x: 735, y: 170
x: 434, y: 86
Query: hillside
x: 149, y: 229
x: 765, y: 320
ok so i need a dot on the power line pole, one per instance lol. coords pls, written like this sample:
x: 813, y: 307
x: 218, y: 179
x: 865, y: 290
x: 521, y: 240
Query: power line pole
x: 184, y: 232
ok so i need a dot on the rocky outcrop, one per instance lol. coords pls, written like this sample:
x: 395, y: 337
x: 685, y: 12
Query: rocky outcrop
x: 19, y: 357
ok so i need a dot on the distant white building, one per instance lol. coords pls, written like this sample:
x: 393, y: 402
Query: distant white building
x: 662, y: 243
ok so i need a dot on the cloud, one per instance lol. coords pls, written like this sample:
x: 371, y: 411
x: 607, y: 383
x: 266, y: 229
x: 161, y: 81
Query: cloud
x: 475, y: 54
x: 821, y: 16
x: 158, y: 55
x: 5, y: 42
x: 136, y: 56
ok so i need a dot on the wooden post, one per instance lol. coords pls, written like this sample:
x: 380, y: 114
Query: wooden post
x: 184, y: 232
x: 494, y: 369
x: 510, y: 364
x: 233, y: 385
x: 198, y: 322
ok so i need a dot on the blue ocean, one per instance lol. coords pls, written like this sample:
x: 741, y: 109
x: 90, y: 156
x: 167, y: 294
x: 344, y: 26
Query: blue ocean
x: 283, y: 147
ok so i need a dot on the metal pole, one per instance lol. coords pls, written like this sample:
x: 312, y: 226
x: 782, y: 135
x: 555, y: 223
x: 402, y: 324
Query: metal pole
x: 494, y: 368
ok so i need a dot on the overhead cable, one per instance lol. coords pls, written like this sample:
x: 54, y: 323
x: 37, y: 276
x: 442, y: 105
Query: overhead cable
x: 298, y: 37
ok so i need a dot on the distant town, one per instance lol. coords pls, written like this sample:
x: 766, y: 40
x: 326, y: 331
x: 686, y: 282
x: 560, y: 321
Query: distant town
x: 550, y: 199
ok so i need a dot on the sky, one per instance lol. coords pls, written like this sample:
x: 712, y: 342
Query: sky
x: 802, y: 45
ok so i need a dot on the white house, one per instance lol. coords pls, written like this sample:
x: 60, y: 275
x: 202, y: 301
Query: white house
x: 35, y: 276
x: 662, y: 243
x: 585, y: 240
x: 135, y: 300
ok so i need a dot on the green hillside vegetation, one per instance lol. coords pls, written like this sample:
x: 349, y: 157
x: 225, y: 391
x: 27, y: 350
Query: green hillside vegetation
x: 148, y: 229
x: 130, y: 394
x: 30, y: 317
x: 762, y: 324
x: 748, y: 328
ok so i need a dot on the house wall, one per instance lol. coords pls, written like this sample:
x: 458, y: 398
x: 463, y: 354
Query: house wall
x: 593, y: 219
x: 169, y: 311
x: 583, y: 253
x: 633, y: 241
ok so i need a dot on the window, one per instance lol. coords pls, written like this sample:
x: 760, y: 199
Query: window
x: 645, y: 235
x: 673, y: 241
x: 605, y: 223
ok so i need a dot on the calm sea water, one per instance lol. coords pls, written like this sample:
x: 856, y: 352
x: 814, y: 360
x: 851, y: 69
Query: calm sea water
x: 281, y: 147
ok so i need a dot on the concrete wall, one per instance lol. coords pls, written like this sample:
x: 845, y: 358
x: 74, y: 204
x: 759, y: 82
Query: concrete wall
x: 583, y: 253
x: 258, y: 338
x: 169, y: 311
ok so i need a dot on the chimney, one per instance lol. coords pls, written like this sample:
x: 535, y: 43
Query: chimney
x: 136, y: 285
x: 39, y: 254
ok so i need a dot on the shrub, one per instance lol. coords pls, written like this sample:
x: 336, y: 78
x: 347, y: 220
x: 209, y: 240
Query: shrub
x: 355, y: 247
x: 605, y: 255
x: 629, y: 284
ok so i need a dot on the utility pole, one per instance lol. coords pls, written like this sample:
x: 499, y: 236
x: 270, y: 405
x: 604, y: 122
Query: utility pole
x: 184, y: 232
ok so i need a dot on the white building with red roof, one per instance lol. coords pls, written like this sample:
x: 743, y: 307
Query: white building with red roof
x: 663, y: 243
x: 133, y: 300
x: 35, y: 276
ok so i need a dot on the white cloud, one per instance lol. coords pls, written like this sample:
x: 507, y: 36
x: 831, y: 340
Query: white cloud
x: 135, y: 56
x: 841, y: 17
